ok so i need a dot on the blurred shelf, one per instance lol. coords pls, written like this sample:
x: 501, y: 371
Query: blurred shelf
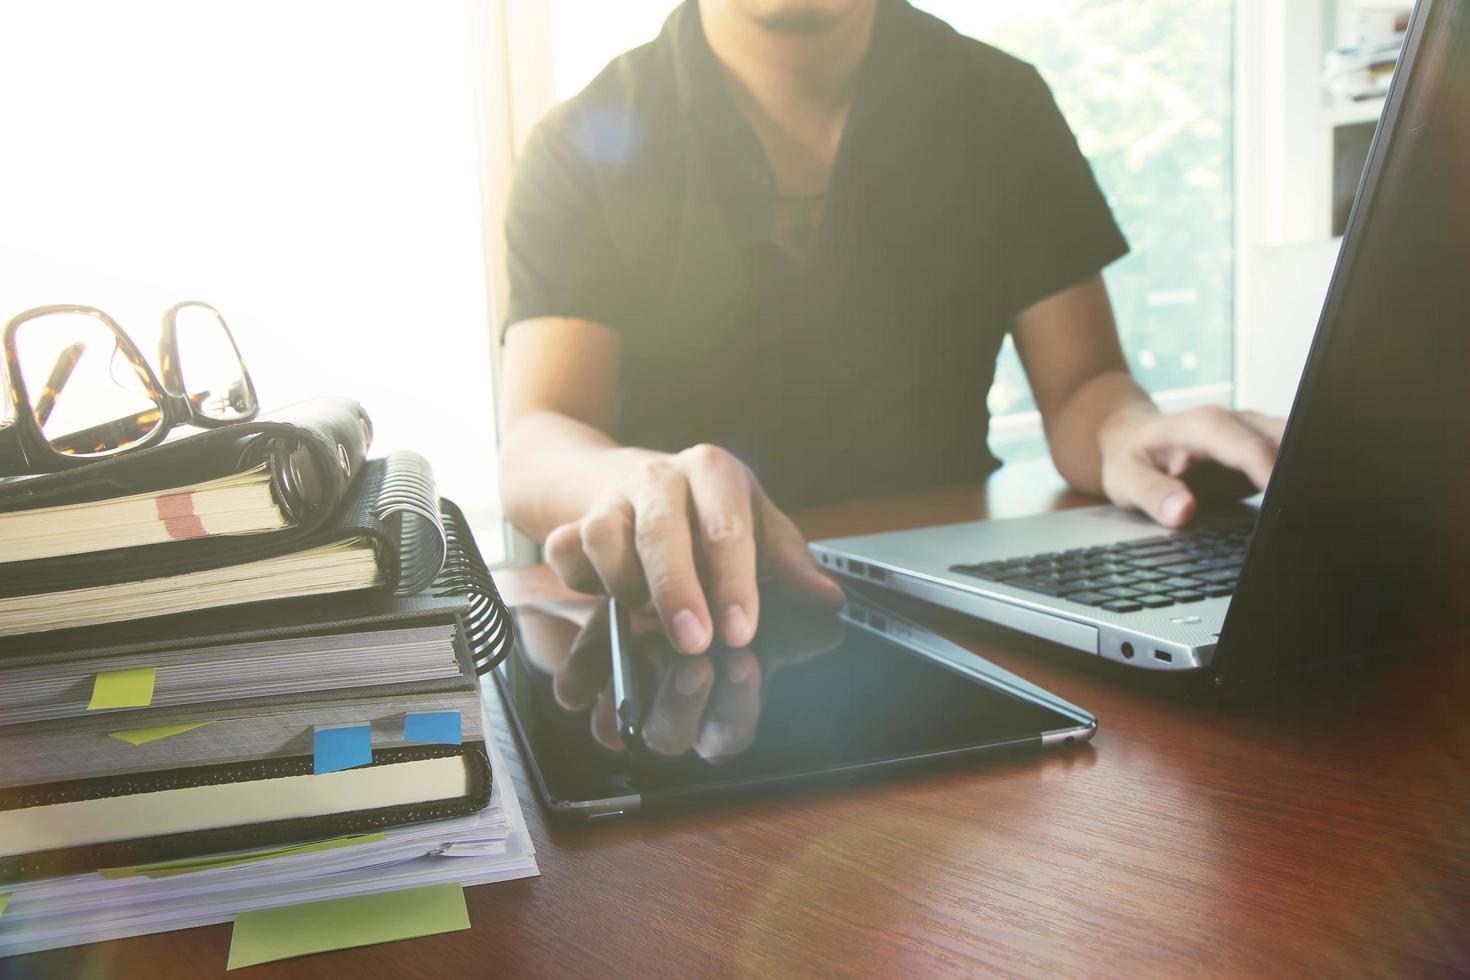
x: 1345, y: 113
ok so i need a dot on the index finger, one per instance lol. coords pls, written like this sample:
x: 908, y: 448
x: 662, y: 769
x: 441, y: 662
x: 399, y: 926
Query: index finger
x: 666, y: 549
x: 721, y: 496
x: 1221, y: 436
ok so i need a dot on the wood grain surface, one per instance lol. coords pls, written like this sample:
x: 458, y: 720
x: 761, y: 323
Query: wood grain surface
x: 1316, y: 834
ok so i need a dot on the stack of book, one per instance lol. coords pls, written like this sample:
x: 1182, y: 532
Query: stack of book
x: 241, y: 670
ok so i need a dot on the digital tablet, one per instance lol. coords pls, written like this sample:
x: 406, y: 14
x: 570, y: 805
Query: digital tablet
x: 816, y: 696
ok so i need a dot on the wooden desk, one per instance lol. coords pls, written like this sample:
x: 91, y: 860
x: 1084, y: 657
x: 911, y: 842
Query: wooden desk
x: 1316, y: 838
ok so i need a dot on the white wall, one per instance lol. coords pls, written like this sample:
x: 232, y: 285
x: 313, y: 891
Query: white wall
x: 1275, y: 165
x: 1285, y: 254
x: 1277, y: 320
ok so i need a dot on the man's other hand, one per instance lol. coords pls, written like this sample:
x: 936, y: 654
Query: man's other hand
x: 690, y: 532
x: 1146, y: 454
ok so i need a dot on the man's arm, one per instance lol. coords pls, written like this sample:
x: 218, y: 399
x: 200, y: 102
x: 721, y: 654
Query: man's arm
x: 686, y: 530
x: 1106, y: 434
x: 558, y: 392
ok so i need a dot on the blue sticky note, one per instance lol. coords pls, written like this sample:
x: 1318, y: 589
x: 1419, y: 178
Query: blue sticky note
x: 439, y: 727
x: 334, y: 749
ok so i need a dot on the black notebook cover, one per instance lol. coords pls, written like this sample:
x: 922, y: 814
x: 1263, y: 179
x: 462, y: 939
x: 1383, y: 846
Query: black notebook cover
x: 171, y: 847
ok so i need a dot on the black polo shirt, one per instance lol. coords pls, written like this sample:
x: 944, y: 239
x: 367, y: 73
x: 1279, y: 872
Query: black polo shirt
x: 958, y: 198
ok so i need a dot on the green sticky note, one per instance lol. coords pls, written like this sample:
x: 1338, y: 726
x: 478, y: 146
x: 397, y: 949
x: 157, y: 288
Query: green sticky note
x: 123, y: 689
x: 142, y: 736
x: 168, y: 869
x: 341, y: 923
x: 4, y: 901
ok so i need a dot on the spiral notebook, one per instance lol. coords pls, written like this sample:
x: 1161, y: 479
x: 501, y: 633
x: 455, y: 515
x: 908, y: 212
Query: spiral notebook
x: 462, y: 577
x: 288, y: 469
x: 388, y: 535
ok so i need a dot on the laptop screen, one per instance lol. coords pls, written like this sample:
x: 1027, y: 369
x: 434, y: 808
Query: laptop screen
x: 1363, y: 542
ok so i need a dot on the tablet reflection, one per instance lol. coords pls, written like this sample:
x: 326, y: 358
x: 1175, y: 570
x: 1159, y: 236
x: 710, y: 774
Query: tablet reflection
x: 705, y: 706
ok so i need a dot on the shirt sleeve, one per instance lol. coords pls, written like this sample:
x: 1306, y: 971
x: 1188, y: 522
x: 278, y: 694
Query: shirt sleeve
x: 560, y: 260
x: 1062, y: 230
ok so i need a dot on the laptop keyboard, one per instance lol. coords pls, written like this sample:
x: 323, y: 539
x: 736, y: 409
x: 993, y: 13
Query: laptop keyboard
x: 1150, y: 573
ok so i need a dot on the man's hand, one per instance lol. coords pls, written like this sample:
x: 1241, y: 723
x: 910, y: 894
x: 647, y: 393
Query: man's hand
x: 678, y: 527
x: 1145, y: 454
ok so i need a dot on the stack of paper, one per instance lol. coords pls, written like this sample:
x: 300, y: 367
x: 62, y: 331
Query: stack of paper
x: 232, y: 671
x: 237, y: 503
x: 339, y: 566
x: 492, y: 845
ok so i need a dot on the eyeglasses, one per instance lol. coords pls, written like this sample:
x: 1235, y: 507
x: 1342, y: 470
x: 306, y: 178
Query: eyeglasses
x: 95, y: 395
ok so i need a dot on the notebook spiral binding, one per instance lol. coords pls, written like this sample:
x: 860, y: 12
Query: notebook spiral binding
x: 489, y: 629
x: 406, y: 503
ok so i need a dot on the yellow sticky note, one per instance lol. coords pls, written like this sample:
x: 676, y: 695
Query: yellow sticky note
x: 142, y: 736
x: 341, y: 923
x: 168, y: 869
x: 4, y: 901
x: 123, y: 689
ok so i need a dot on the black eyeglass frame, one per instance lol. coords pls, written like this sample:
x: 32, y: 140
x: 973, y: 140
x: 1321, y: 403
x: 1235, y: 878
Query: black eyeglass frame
x: 24, y: 449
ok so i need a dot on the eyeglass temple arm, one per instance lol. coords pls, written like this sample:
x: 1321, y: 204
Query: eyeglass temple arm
x: 66, y: 363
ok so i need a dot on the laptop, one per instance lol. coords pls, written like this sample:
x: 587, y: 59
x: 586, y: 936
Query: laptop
x: 1361, y: 542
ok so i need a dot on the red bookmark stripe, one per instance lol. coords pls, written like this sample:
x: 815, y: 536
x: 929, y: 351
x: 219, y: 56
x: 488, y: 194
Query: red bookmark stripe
x: 176, y: 511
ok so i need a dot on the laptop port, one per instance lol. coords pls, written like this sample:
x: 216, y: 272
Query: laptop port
x: 1164, y: 655
x: 1127, y: 650
x: 857, y: 567
x: 877, y: 574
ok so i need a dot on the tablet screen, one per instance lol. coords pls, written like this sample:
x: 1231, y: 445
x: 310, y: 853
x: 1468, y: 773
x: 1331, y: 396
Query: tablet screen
x: 812, y: 694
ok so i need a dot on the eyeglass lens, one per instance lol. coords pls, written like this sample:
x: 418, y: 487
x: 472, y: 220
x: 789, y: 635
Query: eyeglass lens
x: 88, y: 396
x: 210, y: 370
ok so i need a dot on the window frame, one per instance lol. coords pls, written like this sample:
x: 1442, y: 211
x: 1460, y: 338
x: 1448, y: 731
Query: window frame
x: 512, y: 53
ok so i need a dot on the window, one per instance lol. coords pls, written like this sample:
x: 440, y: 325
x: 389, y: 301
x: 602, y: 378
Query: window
x: 311, y: 169
x: 1147, y: 88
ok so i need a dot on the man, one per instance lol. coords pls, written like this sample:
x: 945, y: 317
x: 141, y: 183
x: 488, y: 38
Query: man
x: 768, y: 260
